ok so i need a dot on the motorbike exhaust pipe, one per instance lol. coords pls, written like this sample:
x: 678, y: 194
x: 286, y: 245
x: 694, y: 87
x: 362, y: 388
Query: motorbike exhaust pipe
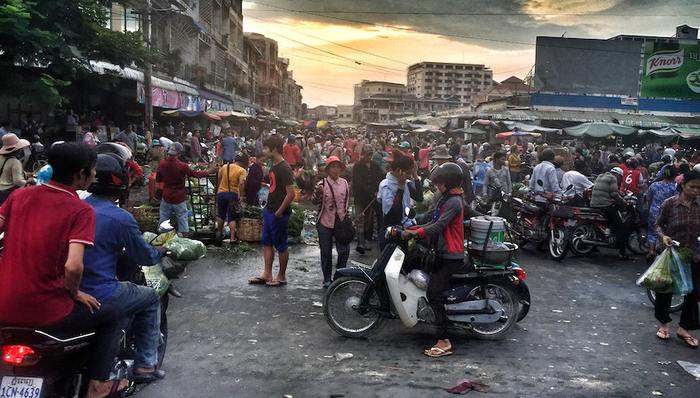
x: 594, y: 242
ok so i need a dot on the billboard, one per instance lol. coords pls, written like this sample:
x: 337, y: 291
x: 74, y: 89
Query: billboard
x: 671, y: 70
x: 588, y: 66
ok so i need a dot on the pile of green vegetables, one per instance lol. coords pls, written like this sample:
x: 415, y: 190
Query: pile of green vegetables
x: 296, y: 221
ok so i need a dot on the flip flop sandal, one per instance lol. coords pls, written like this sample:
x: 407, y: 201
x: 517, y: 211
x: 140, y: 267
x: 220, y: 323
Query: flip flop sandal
x: 662, y: 335
x: 437, y: 352
x: 689, y: 340
x: 258, y: 281
x: 275, y: 283
x: 115, y: 392
x: 149, y: 377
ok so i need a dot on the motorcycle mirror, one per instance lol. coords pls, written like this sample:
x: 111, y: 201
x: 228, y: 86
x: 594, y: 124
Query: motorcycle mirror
x: 540, y: 183
x: 165, y: 226
x: 570, y: 187
x: 409, y: 212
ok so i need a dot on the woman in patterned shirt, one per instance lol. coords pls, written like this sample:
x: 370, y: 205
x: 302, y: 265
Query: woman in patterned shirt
x: 679, y: 220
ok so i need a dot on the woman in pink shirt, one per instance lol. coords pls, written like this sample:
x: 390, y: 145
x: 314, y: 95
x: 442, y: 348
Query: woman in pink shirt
x: 332, y: 194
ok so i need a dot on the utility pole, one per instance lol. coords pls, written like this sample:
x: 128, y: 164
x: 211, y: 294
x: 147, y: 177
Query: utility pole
x: 147, y: 70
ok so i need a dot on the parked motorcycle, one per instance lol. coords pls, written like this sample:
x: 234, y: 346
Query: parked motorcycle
x: 529, y: 219
x: 592, y: 229
x: 38, y: 364
x: 485, y: 302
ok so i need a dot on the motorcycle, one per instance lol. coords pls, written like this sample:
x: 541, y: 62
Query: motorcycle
x: 485, y: 302
x: 561, y: 220
x: 528, y: 220
x: 38, y: 364
x: 592, y: 229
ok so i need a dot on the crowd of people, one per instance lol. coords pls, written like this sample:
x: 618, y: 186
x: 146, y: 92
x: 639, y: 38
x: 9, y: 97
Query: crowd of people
x: 352, y: 175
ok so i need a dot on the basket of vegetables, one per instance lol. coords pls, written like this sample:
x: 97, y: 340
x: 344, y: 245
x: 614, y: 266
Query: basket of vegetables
x: 146, y: 216
x: 250, y: 225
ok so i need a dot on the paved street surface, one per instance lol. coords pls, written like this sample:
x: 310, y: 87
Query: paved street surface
x: 590, y: 333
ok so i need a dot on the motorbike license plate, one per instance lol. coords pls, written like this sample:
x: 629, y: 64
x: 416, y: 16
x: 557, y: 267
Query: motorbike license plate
x: 21, y: 387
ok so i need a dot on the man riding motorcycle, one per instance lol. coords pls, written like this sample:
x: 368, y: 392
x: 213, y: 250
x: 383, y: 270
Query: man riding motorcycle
x: 47, y: 229
x: 606, y: 197
x: 446, y: 230
x: 117, y: 235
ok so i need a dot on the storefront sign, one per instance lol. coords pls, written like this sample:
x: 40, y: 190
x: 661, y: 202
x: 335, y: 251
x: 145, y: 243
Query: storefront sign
x: 160, y: 97
x: 629, y: 101
x: 671, y: 71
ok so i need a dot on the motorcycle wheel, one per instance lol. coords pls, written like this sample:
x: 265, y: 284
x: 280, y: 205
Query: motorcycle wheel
x: 577, y: 246
x: 340, y: 308
x: 516, y: 230
x: 524, y: 293
x: 558, y: 244
x: 508, y: 298
x: 676, y: 301
x: 163, y: 329
x: 637, y: 243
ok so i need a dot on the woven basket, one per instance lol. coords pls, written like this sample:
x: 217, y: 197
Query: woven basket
x: 249, y: 229
x: 146, y: 216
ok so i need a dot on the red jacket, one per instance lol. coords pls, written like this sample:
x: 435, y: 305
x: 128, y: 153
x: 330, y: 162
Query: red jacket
x: 172, y: 172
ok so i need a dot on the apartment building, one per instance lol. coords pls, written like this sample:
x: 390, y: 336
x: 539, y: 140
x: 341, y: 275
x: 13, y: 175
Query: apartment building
x: 448, y: 80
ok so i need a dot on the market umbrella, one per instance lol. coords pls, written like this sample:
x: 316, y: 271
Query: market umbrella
x: 664, y: 132
x: 508, y: 134
x: 469, y: 130
x: 599, y: 130
x: 687, y: 132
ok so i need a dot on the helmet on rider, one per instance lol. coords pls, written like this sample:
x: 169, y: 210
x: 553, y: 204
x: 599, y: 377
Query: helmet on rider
x: 618, y: 171
x: 449, y: 174
x: 111, y: 175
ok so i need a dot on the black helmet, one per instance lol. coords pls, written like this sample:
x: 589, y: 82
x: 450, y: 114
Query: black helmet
x: 449, y: 174
x: 111, y: 175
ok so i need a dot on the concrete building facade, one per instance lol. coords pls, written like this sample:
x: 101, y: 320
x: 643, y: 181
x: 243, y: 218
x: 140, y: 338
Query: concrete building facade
x: 448, y: 80
x: 378, y: 101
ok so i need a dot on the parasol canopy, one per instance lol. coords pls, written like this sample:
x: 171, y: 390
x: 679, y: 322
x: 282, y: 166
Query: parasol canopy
x: 599, y: 130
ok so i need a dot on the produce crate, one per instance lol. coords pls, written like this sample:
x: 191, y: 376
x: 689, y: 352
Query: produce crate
x: 146, y: 216
x: 249, y: 229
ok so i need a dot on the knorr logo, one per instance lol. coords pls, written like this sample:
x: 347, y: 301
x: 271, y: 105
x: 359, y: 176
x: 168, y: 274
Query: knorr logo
x: 664, y: 61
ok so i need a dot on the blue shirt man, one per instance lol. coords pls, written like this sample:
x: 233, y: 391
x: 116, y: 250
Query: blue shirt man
x: 229, y: 147
x: 117, y: 235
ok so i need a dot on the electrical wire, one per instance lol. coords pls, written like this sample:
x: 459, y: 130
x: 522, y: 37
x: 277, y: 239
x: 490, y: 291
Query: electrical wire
x: 317, y: 14
x: 338, y: 44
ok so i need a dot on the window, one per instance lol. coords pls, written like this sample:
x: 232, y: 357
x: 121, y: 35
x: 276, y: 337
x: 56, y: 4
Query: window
x: 428, y: 80
x: 439, y: 80
x: 428, y: 73
x: 459, y: 67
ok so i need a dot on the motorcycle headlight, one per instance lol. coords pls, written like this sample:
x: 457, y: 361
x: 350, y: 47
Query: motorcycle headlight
x: 419, y: 278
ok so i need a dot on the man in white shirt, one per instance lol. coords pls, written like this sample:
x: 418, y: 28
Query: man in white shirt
x: 576, y: 178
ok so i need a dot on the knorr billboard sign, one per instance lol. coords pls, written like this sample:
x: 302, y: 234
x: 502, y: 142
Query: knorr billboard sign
x: 671, y: 70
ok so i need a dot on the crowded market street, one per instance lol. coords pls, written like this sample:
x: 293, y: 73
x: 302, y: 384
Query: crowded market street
x: 590, y: 333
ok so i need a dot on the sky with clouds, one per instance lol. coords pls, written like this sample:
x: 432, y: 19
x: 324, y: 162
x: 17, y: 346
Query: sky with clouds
x: 333, y: 44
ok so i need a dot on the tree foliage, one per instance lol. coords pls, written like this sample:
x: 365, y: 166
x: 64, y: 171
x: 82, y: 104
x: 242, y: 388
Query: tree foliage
x: 46, y: 44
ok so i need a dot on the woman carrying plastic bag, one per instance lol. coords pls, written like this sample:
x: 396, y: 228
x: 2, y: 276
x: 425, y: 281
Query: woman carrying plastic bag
x: 679, y: 220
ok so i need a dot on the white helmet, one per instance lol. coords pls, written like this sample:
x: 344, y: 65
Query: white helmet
x: 618, y: 171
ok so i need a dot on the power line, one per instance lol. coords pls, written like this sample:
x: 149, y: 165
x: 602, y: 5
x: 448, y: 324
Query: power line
x: 341, y: 65
x: 442, y: 33
x: 338, y: 44
x: 476, y: 14
x: 330, y: 53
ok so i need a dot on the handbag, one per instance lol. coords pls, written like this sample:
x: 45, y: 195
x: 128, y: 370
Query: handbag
x: 343, y: 231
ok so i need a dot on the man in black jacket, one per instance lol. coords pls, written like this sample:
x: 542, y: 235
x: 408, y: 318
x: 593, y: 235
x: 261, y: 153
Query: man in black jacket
x: 366, y: 176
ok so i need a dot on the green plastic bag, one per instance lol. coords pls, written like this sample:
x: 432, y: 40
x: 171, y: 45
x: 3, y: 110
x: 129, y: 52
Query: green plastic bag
x: 186, y: 249
x: 658, y: 276
x: 681, y: 275
x: 149, y: 237
x: 156, y: 279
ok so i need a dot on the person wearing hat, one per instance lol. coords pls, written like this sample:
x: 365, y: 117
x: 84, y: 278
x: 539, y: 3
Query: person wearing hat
x: 606, y: 197
x: 172, y: 173
x: 366, y: 176
x: 231, y: 183
x: 12, y: 174
x: 332, y: 194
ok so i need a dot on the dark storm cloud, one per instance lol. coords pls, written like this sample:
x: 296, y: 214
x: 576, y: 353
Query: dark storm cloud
x: 506, y: 31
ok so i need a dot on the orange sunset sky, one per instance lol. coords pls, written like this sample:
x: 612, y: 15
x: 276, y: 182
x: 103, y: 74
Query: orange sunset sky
x: 385, y: 36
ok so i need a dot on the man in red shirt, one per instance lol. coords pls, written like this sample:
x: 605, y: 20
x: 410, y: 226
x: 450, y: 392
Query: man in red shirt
x: 292, y: 152
x: 172, y: 173
x: 424, y: 159
x: 42, y: 262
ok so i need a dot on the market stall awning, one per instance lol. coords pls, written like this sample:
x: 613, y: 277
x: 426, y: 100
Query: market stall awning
x: 599, y: 130
x: 687, y: 132
x: 484, y: 122
x: 529, y: 127
x: 508, y: 134
x: 469, y: 130
x: 190, y: 114
x: 664, y: 132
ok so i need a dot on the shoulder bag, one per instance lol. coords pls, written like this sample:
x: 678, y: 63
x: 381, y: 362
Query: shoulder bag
x: 344, y: 231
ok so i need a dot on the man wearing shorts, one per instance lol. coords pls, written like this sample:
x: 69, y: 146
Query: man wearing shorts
x: 231, y: 179
x: 276, y: 213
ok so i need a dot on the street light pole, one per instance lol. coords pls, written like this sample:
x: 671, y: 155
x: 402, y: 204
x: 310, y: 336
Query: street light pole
x: 147, y: 71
